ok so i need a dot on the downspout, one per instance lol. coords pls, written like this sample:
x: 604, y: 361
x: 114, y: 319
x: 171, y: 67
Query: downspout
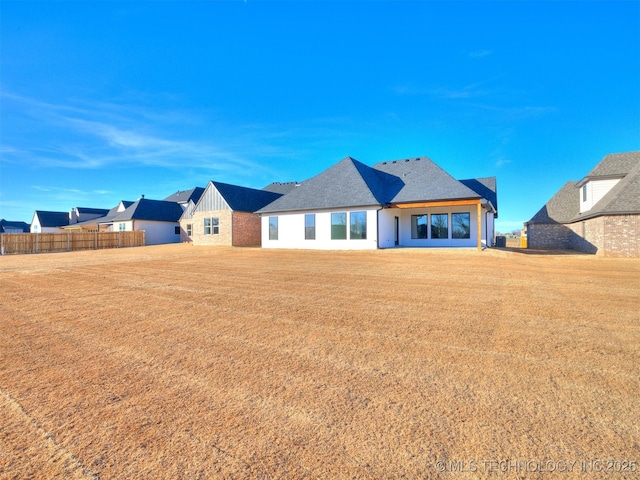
x: 378, y: 227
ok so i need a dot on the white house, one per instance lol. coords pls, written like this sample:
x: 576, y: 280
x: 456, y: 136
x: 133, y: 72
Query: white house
x: 158, y: 218
x: 48, y: 222
x: 401, y: 203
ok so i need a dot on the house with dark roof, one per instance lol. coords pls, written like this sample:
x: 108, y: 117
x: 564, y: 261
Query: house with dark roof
x: 7, y: 226
x: 401, y: 203
x: 100, y: 223
x: 183, y: 197
x: 158, y: 218
x: 48, y: 222
x: 598, y: 214
x: 225, y: 215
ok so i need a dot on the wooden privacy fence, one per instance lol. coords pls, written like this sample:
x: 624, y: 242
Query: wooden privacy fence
x: 21, y: 243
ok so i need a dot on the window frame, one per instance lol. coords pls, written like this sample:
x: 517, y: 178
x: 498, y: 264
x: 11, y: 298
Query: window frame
x: 215, y: 225
x: 207, y: 226
x: 273, y: 228
x: 309, y: 230
x: 415, y: 225
x: 438, y: 228
x: 358, y: 230
x: 335, y: 226
x: 453, y: 226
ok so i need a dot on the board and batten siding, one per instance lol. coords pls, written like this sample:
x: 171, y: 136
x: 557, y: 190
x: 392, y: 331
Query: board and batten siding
x: 211, y: 201
x: 596, y: 189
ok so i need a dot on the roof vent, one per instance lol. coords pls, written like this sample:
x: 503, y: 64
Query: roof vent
x: 394, y: 162
x: 408, y: 160
x: 417, y: 159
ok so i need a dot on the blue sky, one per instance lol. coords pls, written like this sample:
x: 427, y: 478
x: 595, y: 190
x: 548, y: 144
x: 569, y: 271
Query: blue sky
x: 102, y: 101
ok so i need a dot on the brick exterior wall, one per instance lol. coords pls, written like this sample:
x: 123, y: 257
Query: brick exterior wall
x: 246, y: 230
x: 239, y: 229
x: 611, y: 236
x: 622, y: 236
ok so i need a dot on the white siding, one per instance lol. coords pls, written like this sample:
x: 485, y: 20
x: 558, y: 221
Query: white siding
x: 596, y: 189
x: 387, y: 227
x: 381, y: 225
x: 291, y: 231
x: 156, y: 233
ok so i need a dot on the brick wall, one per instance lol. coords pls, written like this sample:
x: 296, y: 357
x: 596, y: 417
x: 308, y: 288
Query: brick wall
x: 611, y: 236
x: 246, y: 229
x: 548, y: 236
x: 622, y: 236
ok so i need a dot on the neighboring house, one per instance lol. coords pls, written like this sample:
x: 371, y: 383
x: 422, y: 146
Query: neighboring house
x: 48, y: 222
x: 158, y: 218
x: 184, y: 197
x: 224, y: 215
x: 80, y: 218
x: 402, y: 203
x: 101, y: 223
x: 7, y: 226
x: 598, y: 214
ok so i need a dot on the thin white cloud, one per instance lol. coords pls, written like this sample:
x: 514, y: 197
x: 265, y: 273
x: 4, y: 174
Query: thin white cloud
x: 442, y: 92
x: 90, y: 135
x: 480, y: 53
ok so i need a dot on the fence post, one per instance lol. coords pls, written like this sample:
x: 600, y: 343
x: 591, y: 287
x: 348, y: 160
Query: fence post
x: 2, y: 243
x: 95, y: 242
x: 68, y: 242
x: 35, y: 246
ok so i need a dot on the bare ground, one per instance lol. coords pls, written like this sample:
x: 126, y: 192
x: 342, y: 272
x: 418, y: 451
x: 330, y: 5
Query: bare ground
x: 186, y: 362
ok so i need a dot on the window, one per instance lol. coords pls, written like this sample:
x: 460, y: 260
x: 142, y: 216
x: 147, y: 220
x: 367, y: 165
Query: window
x: 310, y: 226
x: 418, y: 226
x: 189, y: 229
x: 439, y: 225
x: 338, y: 226
x: 358, y: 225
x: 460, y: 225
x: 273, y: 228
x: 122, y: 227
x: 207, y: 226
x: 216, y: 225
x: 176, y: 230
x: 584, y: 193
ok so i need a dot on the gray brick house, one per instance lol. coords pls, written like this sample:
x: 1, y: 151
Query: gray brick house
x: 599, y: 214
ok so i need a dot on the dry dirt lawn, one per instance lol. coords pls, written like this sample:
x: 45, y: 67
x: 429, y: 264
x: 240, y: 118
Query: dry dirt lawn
x: 194, y: 362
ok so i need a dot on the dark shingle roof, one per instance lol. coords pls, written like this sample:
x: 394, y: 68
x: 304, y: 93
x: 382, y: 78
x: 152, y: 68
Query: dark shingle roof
x: 615, y: 164
x: 348, y: 183
x: 485, y: 187
x: 424, y: 181
x: 281, y: 188
x: 183, y: 196
x: 7, y: 224
x: 244, y: 199
x: 623, y: 198
x: 152, y: 210
x: 561, y: 208
x: 52, y: 219
x: 92, y: 211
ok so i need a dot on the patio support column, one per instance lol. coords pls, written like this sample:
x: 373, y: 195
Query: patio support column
x: 479, y: 209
